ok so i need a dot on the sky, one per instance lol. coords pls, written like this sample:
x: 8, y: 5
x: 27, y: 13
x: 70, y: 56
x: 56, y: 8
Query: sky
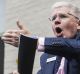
x: 2, y: 15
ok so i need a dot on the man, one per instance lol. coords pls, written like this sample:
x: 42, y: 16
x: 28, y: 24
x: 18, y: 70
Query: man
x: 62, y: 53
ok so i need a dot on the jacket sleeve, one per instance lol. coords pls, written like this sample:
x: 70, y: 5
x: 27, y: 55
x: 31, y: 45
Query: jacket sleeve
x: 62, y: 46
x: 26, y: 54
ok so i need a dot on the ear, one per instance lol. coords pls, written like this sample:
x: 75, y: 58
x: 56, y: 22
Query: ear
x: 78, y: 26
x: 79, y: 23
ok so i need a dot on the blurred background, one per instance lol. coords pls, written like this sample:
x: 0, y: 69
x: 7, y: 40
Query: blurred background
x: 34, y: 15
x: 2, y: 16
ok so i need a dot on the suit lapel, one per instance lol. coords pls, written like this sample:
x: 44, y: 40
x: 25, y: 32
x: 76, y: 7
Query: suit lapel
x: 57, y: 64
x: 49, y: 64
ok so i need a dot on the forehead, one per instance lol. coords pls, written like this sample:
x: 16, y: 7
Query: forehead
x: 62, y: 10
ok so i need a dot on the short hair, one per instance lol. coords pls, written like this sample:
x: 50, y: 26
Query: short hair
x: 74, y: 9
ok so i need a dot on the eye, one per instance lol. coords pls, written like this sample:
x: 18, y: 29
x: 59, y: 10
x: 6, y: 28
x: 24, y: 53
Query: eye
x: 54, y: 17
x: 63, y: 16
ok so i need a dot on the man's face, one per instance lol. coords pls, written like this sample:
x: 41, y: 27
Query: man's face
x: 64, y: 23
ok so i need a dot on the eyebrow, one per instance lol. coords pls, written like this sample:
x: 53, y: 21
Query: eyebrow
x: 73, y: 15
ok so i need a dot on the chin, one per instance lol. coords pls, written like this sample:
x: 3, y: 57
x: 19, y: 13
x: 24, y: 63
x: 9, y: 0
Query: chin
x: 59, y: 35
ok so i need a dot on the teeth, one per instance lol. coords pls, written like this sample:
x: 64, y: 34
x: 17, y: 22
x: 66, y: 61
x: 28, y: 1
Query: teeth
x: 58, y: 30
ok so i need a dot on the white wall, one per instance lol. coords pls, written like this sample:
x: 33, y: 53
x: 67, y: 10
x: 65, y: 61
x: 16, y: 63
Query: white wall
x: 34, y: 13
x: 2, y: 15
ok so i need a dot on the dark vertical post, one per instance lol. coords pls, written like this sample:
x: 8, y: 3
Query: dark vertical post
x: 1, y: 56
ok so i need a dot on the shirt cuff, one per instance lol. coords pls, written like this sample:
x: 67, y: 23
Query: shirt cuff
x: 40, y: 46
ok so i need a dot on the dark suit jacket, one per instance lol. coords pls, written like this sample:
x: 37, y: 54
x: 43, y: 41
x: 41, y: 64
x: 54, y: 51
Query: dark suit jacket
x: 68, y: 48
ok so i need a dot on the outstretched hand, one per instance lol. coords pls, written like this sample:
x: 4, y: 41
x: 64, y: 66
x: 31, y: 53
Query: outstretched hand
x: 12, y: 36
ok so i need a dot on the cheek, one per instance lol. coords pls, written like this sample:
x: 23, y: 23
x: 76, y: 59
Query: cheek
x: 53, y: 27
x: 71, y: 27
x: 69, y: 24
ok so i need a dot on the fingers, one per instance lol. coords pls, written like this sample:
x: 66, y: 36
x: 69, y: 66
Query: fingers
x: 12, y: 33
x: 11, y: 37
x: 14, y: 43
x: 11, y: 41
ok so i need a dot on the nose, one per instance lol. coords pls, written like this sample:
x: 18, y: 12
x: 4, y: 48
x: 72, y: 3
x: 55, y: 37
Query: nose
x: 57, y: 21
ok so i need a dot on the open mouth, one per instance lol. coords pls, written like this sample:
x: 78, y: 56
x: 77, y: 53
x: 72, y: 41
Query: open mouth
x: 58, y: 30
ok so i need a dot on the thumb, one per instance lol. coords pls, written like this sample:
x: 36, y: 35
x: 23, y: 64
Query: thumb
x: 20, y: 26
